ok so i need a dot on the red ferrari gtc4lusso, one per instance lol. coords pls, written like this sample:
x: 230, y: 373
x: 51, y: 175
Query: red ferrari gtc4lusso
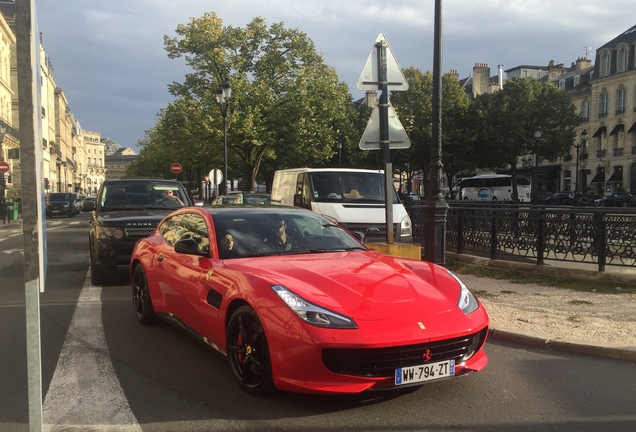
x: 296, y: 303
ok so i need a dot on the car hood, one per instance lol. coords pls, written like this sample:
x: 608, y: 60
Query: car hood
x: 363, y: 285
x: 132, y: 217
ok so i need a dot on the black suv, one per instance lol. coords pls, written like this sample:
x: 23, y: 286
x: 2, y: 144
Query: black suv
x: 125, y: 211
x: 60, y: 204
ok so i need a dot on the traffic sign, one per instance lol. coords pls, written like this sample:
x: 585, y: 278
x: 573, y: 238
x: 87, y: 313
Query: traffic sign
x: 176, y: 167
x: 369, y: 78
x: 4, y: 167
x: 216, y: 176
x: 398, y: 139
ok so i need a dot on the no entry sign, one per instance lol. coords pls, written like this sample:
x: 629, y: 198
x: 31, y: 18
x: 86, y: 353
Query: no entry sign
x: 175, y: 167
x: 4, y: 167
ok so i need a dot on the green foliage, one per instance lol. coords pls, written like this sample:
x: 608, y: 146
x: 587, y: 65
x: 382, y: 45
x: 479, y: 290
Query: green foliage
x: 286, y: 103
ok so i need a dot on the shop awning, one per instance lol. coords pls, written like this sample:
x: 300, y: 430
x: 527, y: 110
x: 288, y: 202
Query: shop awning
x: 616, y: 178
x: 632, y: 129
x: 618, y: 128
x: 599, y: 178
x: 600, y: 132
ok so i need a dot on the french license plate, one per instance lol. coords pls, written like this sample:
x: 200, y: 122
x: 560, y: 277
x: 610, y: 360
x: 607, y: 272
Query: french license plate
x: 427, y: 372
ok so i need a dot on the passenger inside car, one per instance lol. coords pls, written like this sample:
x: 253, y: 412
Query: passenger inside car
x: 227, y: 247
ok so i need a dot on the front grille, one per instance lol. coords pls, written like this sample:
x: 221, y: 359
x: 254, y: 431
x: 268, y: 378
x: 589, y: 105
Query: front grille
x: 139, y: 232
x: 373, y: 231
x: 382, y: 362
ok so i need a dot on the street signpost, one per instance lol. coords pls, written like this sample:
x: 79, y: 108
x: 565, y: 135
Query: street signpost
x: 176, y: 167
x: 381, y: 72
x: 4, y: 167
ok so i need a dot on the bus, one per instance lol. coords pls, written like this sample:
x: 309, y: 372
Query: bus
x: 493, y: 187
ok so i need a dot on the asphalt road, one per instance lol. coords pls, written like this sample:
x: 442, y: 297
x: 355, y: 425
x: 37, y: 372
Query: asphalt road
x: 102, y: 371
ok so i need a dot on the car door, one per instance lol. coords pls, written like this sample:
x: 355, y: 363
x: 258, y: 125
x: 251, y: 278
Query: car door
x: 180, y: 274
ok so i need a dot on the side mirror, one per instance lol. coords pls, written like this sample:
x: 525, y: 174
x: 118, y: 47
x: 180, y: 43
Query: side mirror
x: 360, y: 236
x: 188, y: 246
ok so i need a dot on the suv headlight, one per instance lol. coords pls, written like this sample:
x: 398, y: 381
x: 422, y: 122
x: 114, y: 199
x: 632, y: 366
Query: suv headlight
x: 108, y: 233
x: 312, y: 314
x: 467, y: 301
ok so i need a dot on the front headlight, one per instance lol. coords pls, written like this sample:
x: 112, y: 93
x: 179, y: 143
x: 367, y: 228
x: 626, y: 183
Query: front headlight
x: 467, y: 301
x: 311, y: 313
x: 108, y: 233
x: 405, y: 227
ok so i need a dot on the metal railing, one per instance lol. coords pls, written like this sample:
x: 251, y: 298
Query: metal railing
x: 599, y: 236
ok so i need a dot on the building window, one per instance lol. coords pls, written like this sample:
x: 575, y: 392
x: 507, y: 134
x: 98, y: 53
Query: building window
x: 603, y: 105
x: 622, y: 60
x: 577, y: 80
x: 585, y: 110
x: 605, y: 64
x: 620, y: 101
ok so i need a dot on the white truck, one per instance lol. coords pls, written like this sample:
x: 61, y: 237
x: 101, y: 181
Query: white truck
x: 353, y: 197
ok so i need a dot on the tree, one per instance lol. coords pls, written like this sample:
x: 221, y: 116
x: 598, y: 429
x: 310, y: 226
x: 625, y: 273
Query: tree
x: 182, y: 134
x: 286, y: 103
x: 504, y: 124
x: 415, y: 110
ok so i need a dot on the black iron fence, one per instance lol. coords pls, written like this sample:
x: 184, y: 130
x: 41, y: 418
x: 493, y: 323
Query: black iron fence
x: 600, y: 236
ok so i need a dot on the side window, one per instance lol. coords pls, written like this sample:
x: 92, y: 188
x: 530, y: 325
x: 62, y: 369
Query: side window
x: 169, y: 229
x: 193, y: 226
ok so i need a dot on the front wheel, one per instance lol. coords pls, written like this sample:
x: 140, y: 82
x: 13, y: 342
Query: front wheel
x: 142, y: 302
x: 248, y: 353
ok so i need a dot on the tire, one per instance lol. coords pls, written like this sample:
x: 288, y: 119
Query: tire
x: 142, y: 302
x: 248, y: 353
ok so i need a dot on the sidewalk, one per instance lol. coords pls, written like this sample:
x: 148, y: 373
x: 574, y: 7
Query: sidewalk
x: 557, y: 318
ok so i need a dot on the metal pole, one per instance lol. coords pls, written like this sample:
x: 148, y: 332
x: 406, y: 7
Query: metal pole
x: 225, y: 150
x: 576, y: 186
x: 383, y: 111
x: 436, y: 206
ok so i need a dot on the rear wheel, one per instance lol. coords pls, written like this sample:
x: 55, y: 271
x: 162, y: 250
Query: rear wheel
x: 142, y: 302
x: 248, y: 353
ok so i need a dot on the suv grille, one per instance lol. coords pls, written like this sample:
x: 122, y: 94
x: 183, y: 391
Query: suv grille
x: 139, y: 232
x: 382, y: 362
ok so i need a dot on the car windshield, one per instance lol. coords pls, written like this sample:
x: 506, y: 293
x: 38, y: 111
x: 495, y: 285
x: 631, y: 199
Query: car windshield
x: 58, y: 197
x: 351, y: 187
x: 278, y: 232
x: 122, y: 196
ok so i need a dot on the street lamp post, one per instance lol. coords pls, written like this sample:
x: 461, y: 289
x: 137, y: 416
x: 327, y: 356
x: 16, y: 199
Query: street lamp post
x: 577, y: 147
x: 223, y: 93
x: 2, y: 131
x: 58, y: 163
x: 535, y: 177
x: 339, y: 154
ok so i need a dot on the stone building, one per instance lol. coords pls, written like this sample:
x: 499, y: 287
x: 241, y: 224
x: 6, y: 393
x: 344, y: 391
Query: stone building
x: 117, y: 158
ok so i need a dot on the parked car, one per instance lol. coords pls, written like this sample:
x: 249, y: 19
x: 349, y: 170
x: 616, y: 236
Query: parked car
x: 223, y: 200
x: 568, y: 198
x: 60, y: 204
x: 125, y: 211
x: 252, y: 198
x: 88, y: 204
x: 328, y: 315
x: 618, y: 199
x: 78, y: 203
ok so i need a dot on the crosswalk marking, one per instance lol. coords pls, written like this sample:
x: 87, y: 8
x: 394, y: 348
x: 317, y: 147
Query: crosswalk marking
x: 85, y: 393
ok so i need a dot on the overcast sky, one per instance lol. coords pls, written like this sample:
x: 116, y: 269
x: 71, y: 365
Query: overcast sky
x: 108, y: 55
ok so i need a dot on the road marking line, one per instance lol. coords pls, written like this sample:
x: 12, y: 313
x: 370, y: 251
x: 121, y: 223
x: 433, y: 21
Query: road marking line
x: 85, y: 393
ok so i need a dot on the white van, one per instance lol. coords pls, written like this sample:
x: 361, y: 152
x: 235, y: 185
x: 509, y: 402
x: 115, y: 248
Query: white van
x: 353, y: 197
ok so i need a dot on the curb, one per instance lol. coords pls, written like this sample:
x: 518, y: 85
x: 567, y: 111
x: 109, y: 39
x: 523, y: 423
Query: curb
x: 539, y: 341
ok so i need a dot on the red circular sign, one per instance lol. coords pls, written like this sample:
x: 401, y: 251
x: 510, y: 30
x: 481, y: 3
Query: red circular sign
x: 4, y: 167
x: 176, y: 167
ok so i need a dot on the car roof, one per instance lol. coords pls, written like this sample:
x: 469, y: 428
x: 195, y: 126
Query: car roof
x: 141, y: 180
